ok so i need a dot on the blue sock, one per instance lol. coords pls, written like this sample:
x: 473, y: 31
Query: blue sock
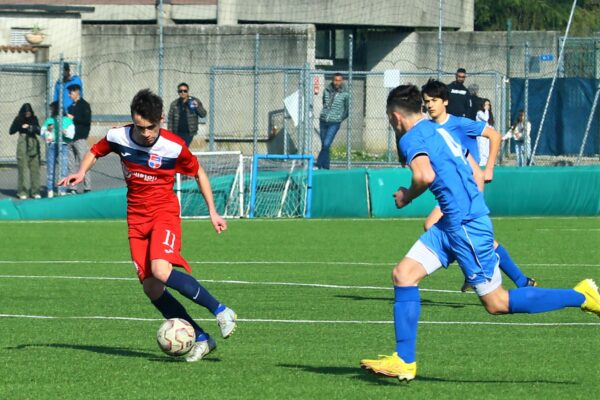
x: 508, y: 266
x: 193, y: 290
x: 537, y: 300
x: 407, y: 308
x: 169, y: 307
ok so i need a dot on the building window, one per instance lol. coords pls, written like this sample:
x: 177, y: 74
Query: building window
x: 17, y: 36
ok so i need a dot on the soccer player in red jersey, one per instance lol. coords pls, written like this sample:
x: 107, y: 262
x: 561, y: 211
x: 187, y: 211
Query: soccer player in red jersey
x: 150, y: 157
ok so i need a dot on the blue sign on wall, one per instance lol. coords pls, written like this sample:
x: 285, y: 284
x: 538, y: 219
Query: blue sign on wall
x: 546, y: 57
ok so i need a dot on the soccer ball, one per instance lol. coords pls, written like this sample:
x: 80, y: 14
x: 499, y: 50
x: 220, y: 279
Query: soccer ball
x: 176, y: 337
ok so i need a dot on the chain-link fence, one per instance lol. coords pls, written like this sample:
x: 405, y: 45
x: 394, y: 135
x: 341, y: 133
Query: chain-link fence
x: 263, y: 91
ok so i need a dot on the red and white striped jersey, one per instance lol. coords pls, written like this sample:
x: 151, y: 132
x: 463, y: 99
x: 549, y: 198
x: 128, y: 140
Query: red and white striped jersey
x: 149, y: 171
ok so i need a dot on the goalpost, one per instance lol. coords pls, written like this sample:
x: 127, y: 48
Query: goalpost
x: 281, y: 186
x: 225, y: 170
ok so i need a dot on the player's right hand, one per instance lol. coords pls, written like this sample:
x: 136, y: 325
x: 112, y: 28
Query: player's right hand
x: 218, y: 223
x: 72, y: 180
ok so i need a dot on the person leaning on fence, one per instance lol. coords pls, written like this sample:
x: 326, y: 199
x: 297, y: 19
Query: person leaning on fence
x: 69, y: 80
x: 520, y: 133
x: 53, y: 152
x: 81, y: 114
x: 184, y: 113
x: 335, y: 111
x: 28, y: 151
x: 484, y: 114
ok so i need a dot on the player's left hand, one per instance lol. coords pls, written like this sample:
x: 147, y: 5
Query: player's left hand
x: 488, y: 175
x: 218, y: 223
x: 401, y: 197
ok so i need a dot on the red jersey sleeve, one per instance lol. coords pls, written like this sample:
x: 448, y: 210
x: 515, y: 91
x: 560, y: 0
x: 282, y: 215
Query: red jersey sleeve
x: 101, y: 148
x: 187, y: 163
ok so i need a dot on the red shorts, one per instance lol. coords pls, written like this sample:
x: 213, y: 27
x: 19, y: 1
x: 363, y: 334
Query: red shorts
x: 156, y: 240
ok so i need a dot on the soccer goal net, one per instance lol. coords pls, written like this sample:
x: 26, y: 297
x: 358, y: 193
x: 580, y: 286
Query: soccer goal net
x: 225, y: 170
x: 281, y: 186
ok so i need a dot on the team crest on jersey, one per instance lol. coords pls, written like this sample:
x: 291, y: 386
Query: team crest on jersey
x: 155, y: 161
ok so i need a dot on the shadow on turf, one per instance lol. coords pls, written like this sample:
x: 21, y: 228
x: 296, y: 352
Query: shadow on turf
x: 424, y: 302
x: 358, y: 373
x: 113, y: 351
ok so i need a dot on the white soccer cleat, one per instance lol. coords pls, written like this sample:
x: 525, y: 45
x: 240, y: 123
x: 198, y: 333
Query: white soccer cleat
x: 226, y: 320
x: 201, y: 349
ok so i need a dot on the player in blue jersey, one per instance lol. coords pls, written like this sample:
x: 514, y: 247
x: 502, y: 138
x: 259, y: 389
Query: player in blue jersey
x: 435, y: 97
x: 437, y: 161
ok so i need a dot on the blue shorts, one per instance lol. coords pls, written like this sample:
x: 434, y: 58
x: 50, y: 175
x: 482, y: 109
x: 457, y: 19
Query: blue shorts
x: 471, y: 245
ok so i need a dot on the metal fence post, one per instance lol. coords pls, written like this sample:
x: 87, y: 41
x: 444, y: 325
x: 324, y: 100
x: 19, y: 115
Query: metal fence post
x: 211, y: 111
x: 349, y: 125
x: 256, y: 100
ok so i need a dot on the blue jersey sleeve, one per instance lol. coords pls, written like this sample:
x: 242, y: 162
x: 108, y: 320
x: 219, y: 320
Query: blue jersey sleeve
x: 411, y: 146
x: 472, y: 128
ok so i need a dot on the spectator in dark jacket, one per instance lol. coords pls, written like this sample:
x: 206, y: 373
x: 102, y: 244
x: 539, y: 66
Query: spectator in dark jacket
x: 458, y: 95
x: 184, y: 113
x: 475, y: 102
x: 81, y: 114
x: 27, y: 126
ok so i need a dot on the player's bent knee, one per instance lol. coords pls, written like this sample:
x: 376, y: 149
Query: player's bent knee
x: 496, y: 303
x: 161, y: 270
x: 408, y: 272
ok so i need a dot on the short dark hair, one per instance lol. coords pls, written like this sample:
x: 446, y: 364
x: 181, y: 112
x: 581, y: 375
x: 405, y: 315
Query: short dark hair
x: 435, y: 88
x: 183, y: 84
x: 338, y: 74
x: 74, y: 87
x: 405, y: 97
x: 54, y: 109
x: 464, y: 71
x: 147, y: 105
x: 66, y: 67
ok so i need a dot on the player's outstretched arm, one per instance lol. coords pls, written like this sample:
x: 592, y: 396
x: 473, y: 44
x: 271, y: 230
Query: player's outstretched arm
x: 74, y: 179
x: 495, y: 140
x: 422, y: 176
x: 204, y: 186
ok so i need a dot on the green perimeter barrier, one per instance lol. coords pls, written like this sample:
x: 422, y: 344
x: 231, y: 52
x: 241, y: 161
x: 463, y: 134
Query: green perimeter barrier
x: 544, y: 191
x: 340, y: 193
x: 514, y: 191
x: 344, y: 193
x: 382, y: 185
x: 110, y: 203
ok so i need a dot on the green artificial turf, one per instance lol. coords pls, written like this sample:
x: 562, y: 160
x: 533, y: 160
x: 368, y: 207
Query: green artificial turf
x: 293, y: 341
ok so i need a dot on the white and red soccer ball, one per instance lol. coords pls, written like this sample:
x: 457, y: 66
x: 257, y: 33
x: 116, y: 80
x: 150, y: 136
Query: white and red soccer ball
x: 176, y: 337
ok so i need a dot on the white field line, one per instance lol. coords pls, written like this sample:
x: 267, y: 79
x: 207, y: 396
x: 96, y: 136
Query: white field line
x: 264, y: 262
x: 307, y: 321
x: 232, y: 282
x: 568, y: 229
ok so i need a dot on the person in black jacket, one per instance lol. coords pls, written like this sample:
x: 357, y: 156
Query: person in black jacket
x: 27, y: 126
x: 458, y: 95
x: 81, y: 114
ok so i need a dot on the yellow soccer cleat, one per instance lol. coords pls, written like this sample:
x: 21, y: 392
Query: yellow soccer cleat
x: 392, y: 366
x: 589, y: 289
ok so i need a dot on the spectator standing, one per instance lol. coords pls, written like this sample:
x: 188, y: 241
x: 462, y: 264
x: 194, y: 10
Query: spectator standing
x: 335, y: 111
x: 458, y: 95
x: 68, y: 81
x: 81, y: 114
x: 475, y: 102
x: 184, y: 113
x: 520, y: 132
x: 28, y: 151
x: 484, y: 114
x: 51, y: 136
